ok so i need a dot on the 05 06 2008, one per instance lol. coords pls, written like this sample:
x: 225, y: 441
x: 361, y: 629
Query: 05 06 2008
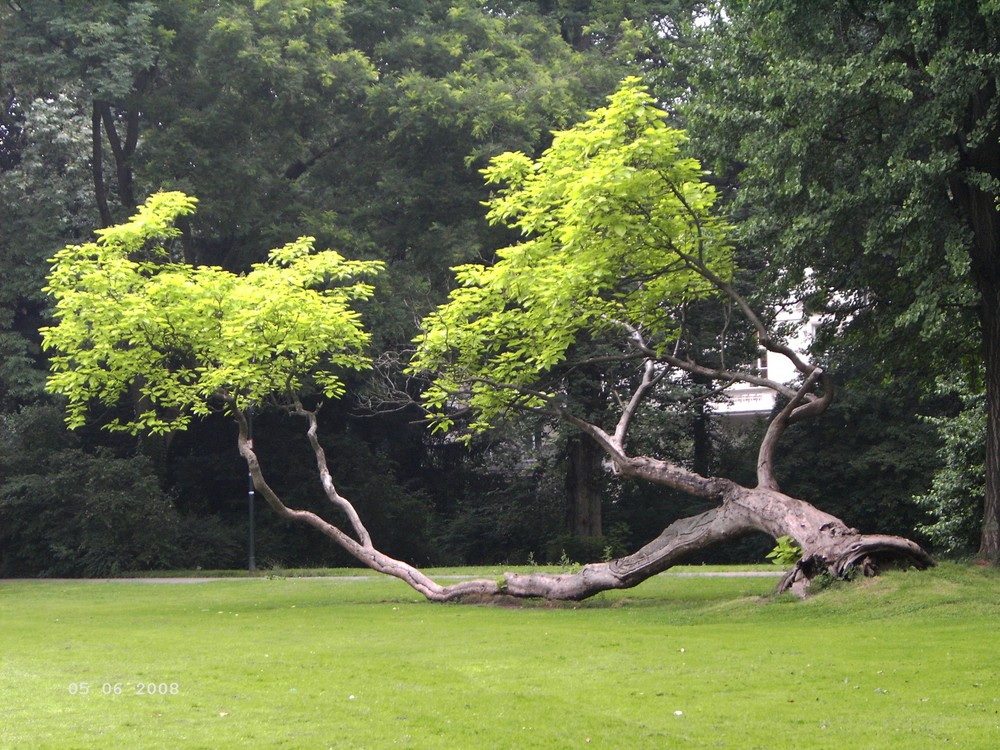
x: 124, y: 688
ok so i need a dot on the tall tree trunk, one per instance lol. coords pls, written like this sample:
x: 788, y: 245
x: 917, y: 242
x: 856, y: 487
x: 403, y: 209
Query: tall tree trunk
x: 828, y: 545
x: 583, y: 490
x: 989, y: 546
x: 123, y: 151
x: 983, y: 160
x: 97, y: 166
x: 103, y: 126
x: 701, y: 437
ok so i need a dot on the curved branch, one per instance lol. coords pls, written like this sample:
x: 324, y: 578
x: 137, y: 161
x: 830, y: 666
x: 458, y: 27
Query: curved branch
x: 676, y: 541
x: 648, y: 468
x: 778, y: 425
x: 816, y: 406
x: 122, y: 152
x: 763, y: 332
x: 715, y: 373
x: 364, y: 552
x: 326, y: 479
x: 832, y: 547
x: 650, y: 377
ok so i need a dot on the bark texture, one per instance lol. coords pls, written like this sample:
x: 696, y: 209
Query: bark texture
x: 989, y: 547
x: 980, y: 211
x: 828, y: 545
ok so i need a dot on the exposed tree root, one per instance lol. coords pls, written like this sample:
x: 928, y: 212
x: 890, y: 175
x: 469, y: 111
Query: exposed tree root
x: 867, y: 554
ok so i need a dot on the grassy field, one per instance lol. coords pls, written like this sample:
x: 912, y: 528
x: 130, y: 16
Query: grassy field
x: 909, y: 660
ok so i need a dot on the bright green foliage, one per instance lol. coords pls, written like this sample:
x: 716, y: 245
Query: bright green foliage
x: 618, y: 230
x: 786, y: 552
x: 183, y: 335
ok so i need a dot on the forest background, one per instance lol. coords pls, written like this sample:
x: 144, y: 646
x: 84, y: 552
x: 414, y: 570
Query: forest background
x: 365, y: 125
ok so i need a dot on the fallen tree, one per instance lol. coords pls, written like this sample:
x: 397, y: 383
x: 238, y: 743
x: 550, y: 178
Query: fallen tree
x: 623, y: 250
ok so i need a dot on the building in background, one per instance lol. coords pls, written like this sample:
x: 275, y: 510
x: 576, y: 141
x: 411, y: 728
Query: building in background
x: 746, y: 402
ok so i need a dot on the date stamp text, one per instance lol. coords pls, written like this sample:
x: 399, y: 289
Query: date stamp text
x: 124, y: 688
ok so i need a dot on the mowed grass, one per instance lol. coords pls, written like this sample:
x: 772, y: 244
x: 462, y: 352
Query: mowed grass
x: 909, y: 660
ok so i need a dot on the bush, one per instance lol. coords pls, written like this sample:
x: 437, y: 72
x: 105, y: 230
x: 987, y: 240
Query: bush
x: 67, y: 512
x: 955, y: 499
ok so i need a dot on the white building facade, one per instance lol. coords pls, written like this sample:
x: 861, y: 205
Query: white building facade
x: 747, y: 402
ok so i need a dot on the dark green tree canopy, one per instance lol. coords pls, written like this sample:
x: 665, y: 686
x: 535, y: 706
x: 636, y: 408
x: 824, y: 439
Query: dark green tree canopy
x: 860, y: 125
x: 865, y: 140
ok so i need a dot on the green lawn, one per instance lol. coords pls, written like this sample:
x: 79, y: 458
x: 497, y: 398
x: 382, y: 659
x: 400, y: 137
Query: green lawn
x: 909, y: 660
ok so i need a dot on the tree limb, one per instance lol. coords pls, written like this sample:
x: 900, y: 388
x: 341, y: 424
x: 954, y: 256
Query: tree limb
x: 327, y: 480
x: 650, y: 377
x: 765, y: 455
x: 363, y: 551
x: 122, y: 152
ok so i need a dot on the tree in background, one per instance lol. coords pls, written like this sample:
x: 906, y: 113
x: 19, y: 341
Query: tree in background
x: 955, y: 498
x: 69, y: 512
x: 864, y: 140
x: 44, y: 201
x: 102, y: 57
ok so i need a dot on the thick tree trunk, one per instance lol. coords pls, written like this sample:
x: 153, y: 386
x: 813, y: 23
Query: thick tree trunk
x: 103, y: 126
x: 982, y: 159
x: 989, y: 547
x: 123, y: 151
x: 701, y: 437
x: 828, y: 545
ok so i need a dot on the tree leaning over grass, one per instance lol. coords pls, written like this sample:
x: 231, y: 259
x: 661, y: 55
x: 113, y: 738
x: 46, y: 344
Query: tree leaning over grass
x: 624, y: 247
x: 135, y: 328
x: 621, y: 250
